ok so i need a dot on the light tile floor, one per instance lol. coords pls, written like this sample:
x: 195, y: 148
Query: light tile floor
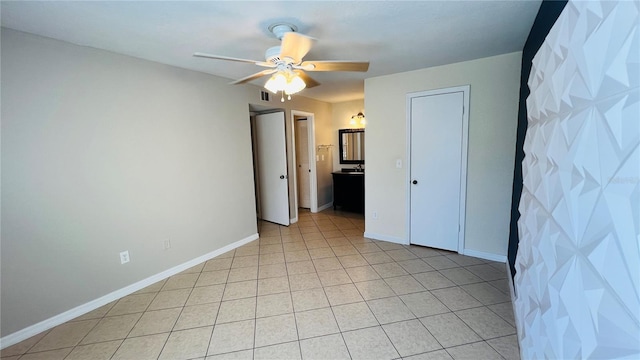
x: 314, y: 290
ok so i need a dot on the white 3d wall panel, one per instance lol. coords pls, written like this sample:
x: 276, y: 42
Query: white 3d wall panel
x: 578, y: 262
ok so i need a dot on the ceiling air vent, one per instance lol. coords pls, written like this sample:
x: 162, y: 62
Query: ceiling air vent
x: 264, y: 95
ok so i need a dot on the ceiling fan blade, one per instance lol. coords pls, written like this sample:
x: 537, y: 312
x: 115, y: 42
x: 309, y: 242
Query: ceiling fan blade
x: 307, y: 79
x: 295, y: 46
x: 253, y: 76
x: 335, y: 66
x: 218, y: 57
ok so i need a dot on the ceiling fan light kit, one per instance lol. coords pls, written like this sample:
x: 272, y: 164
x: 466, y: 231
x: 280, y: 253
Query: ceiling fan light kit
x: 285, y: 63
x: 285, y: 81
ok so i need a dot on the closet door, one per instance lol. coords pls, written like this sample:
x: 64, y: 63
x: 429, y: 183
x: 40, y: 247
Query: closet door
x: 436, y: 169
x: 272, y: 168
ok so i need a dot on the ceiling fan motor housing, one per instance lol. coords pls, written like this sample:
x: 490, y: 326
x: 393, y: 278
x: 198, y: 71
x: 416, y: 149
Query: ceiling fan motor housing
x: 273, y: 55
x: 280, y: 29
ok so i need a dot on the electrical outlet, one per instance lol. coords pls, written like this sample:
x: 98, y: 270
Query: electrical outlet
x: 374, y: 215
x: 124, y: 257
x: 167, y: 244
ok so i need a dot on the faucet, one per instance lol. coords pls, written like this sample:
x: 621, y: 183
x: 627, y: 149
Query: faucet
x: 359, y: 167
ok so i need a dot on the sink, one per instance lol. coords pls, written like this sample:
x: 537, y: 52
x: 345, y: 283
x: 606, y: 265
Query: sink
x: 352, y: 170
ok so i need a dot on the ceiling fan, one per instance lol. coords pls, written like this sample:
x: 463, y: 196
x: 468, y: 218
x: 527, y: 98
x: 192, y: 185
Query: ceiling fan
x: 285, y: 62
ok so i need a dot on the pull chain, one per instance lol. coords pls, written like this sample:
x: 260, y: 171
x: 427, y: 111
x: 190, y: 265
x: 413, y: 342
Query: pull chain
x: 282, y: 96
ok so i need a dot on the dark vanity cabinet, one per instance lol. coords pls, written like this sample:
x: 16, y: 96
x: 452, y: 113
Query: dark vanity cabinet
x: 348, y: 191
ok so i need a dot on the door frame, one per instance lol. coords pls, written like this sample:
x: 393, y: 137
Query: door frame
x: 465, y: 89
x: 299, y: 136
x: 313, y: 179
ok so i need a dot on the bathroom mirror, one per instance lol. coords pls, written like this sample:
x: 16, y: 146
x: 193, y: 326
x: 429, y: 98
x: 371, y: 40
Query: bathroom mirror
x: 351, y: 146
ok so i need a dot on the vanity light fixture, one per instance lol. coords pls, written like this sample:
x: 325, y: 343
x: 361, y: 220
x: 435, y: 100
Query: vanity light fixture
x: 358, y: 119
x: 285, y: 81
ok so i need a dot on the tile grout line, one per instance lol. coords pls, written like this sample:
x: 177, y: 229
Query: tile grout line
x: 255, y: 310
x: 324, y: 223
x: 215, y: 321
x: 295, y: 319
x: 105, y: 316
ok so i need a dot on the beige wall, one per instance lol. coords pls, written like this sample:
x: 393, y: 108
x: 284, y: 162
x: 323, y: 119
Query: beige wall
x: 492, y: 132
x: 103, y: 153
x: 341, y: 114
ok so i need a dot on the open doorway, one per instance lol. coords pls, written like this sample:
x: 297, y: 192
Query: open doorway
x: 299, y: 144
x: 304, y: 160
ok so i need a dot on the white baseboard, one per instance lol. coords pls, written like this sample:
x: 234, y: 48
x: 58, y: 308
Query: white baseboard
x: 401, y: 241
x: 56, y: 320
x: 512, y: 287
x: 388, y: 238
x: 484, y: 255
x: 512, y: 292
x: 325, y: 206
x: 293, y: 220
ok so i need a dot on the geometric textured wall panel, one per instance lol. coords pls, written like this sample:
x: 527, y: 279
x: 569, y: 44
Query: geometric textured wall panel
x: 578, y: 261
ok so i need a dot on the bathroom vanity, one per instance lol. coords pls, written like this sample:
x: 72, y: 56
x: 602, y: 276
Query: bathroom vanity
x: 348, y: 191
x: 348, y: 184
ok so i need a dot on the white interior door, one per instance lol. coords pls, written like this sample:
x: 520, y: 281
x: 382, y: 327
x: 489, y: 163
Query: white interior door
x: 272, y: 168
x: 436, y: 169
x: 302, y: 166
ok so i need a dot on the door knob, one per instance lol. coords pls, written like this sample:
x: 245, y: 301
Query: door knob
x: 414, y: 182
x: 281, y: 176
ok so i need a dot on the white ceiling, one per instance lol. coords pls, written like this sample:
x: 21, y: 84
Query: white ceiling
x: 394, y: 36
